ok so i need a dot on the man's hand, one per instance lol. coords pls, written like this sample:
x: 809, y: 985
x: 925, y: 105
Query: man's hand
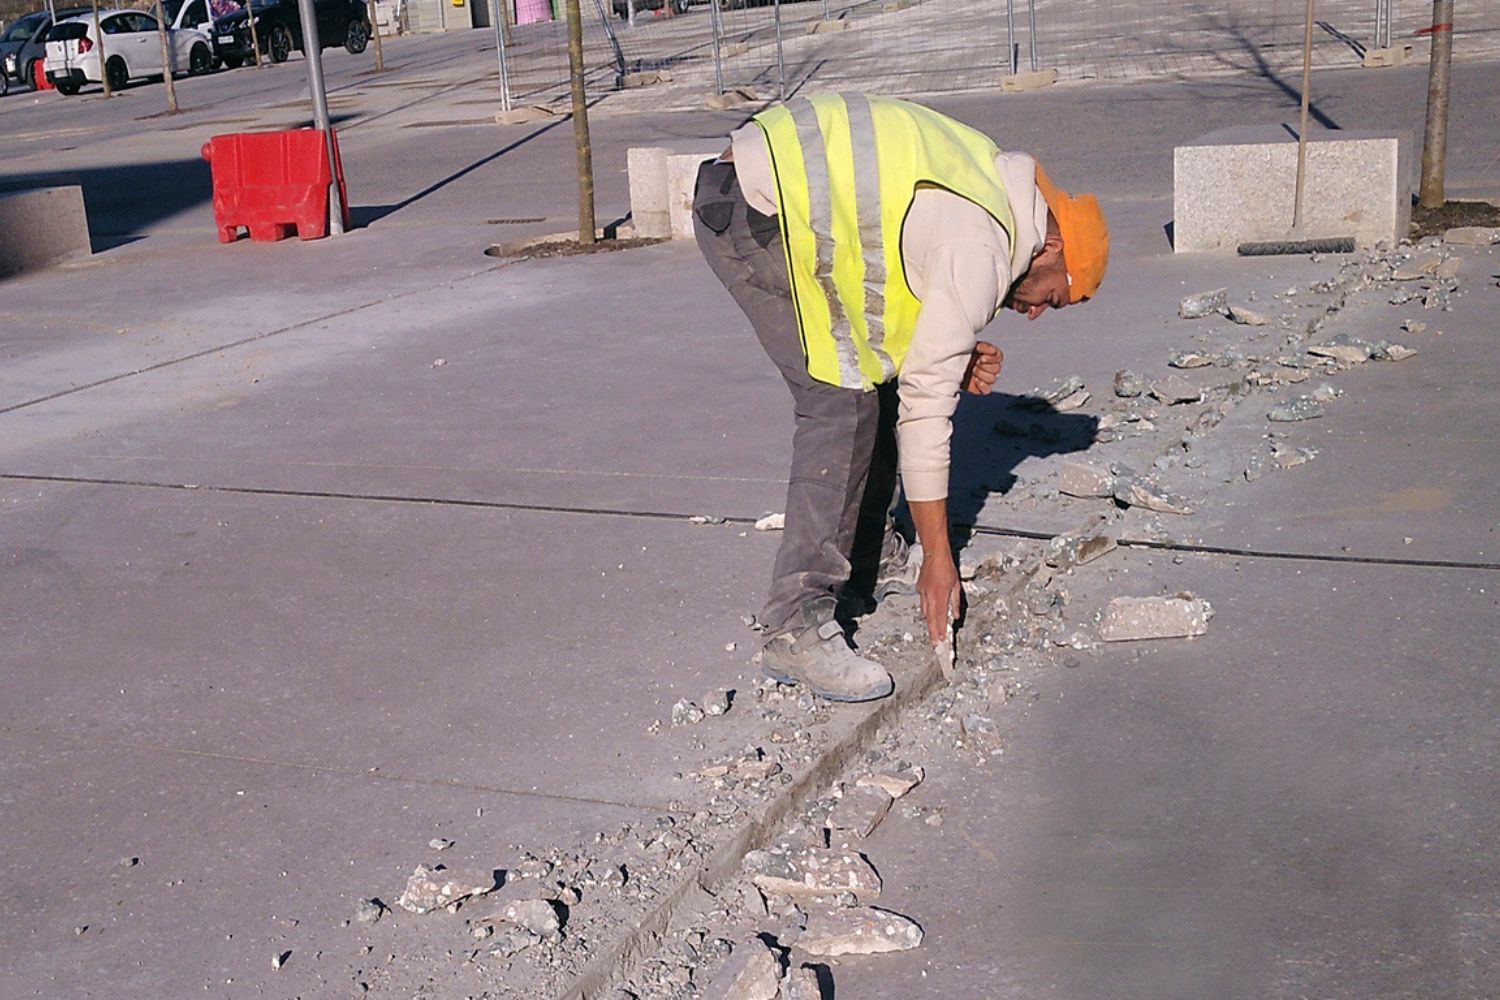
x: 940, y: 592
x: 984, y: 368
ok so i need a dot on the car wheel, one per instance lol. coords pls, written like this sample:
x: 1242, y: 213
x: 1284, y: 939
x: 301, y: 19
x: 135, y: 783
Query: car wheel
x: 357, y: 36
x: 200, y: 60
x: 4, y: 83
x: 117, y: 73
x: 281, y: 44
x: 234, y: 62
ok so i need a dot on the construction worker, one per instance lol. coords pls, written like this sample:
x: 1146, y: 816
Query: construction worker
x: 869, y: 241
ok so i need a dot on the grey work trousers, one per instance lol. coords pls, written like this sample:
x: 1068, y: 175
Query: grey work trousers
x: 843, y: 476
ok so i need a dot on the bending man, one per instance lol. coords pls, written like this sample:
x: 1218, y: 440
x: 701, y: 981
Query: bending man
x: 869, y: 241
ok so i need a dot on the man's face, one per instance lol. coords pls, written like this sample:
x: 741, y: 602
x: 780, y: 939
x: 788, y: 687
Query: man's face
x: 1044, y: 285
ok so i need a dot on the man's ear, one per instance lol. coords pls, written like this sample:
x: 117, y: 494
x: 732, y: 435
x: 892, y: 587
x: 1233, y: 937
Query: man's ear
x: 1053, y: 239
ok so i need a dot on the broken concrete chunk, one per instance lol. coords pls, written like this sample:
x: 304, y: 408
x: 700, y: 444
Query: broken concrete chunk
x: 686, y: 713
x: 801, y: 984
x: 1189, y: 359
x: 1417, y: 268
x: 1051, y: 395
x: 512, y: 941
x: 1473, y: 236
x: 706, y: 519
x: 716, y: 703
x: 752, y: 972
x: 1180, y: 616
x: 368, y: 911
x: 1301, y: 408
x: 1203, y: 304
x: 1349, y: 350
x: 807, y: 872
x: 1247, y: 317
x: 1387, y: 351
x: 860, y: 810
x: 1287, y: 457
x: 865, y: 930
x: 771, y: 522
x: 431, y: 889
x: 1175, y: 389
x: 1133, y: 491
x: 1128, y: 384
x: 894, y: 783
x: 536, y: 916
x: 1072, y: 402
x: 1080, y: 479
x: 1413, y: 326
x: 1067, y: 551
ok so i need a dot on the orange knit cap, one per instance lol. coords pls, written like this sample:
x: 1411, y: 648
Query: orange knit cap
x: 1085, y: 236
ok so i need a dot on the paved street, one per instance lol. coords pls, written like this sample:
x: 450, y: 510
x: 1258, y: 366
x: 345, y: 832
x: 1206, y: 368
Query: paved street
x: 316, y: 552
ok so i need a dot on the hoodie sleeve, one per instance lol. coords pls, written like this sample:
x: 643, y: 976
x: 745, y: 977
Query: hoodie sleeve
x: 958, y: 264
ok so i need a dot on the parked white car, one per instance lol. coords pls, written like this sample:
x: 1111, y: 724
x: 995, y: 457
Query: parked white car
x: 131, y: 50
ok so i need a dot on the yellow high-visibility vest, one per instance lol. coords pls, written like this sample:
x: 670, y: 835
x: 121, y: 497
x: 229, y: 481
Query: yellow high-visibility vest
x: 847, y: 169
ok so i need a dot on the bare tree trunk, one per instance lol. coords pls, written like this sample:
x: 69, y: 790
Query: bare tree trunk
x: 581, y: 126
x: 166, y: 58
x: 375, y: 35
x: 103, y: 58
x: 1435, y: 143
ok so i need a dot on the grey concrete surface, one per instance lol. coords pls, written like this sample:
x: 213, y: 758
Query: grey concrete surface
x: 1295, y: 805
x: 256, y: 538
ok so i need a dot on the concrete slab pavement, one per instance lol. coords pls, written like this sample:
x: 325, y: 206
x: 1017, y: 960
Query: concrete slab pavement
x: 431, y: 631
x: 151, y: 871
x: 1294, y: 805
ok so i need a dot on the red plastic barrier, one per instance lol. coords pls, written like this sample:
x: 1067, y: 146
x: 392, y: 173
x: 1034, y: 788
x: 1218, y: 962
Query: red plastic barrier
x: 39, y: 76
x: 272, y: 183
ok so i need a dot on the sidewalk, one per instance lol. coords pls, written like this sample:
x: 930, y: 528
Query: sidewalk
x: 314, y: 553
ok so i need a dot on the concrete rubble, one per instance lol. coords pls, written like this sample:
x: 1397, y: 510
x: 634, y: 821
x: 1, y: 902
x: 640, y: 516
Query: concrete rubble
x: 753, y: 972
x: 865, y: 930
x: 1174, y: 390
x: 1128, y: 384
x: 894, y: 783
x: 1131, y: 618
x: 813, y: 873
x: 1080, y: 479
x: 1473, y: 236
x: 859, y: 811
x: 431, y: 889
x: 1131, y: 490
x: 770, y: 522
x: 1203, y: 304
x: 1299, y: 409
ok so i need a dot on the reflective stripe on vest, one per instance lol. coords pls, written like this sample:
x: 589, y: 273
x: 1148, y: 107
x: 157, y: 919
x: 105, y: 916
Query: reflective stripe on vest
x: 846, y: 172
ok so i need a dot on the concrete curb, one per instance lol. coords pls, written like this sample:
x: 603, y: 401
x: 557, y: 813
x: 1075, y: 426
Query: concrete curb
x: 617, y: 961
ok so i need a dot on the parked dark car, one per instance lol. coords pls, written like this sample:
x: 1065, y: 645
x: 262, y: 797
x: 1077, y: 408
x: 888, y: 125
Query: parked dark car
x: 23, y: 46
x: 278, y: 28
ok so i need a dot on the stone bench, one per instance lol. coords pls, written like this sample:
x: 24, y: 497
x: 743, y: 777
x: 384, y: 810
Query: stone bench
x: 661, y: 186
x: 41, y: 227
x: 1238, y: 185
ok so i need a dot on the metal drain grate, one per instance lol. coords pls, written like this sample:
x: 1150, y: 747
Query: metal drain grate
x: 515, y: 222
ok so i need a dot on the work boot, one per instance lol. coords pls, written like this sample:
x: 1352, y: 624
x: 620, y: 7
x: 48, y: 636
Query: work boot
x: 898, y: 571
x: 822, y: 659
